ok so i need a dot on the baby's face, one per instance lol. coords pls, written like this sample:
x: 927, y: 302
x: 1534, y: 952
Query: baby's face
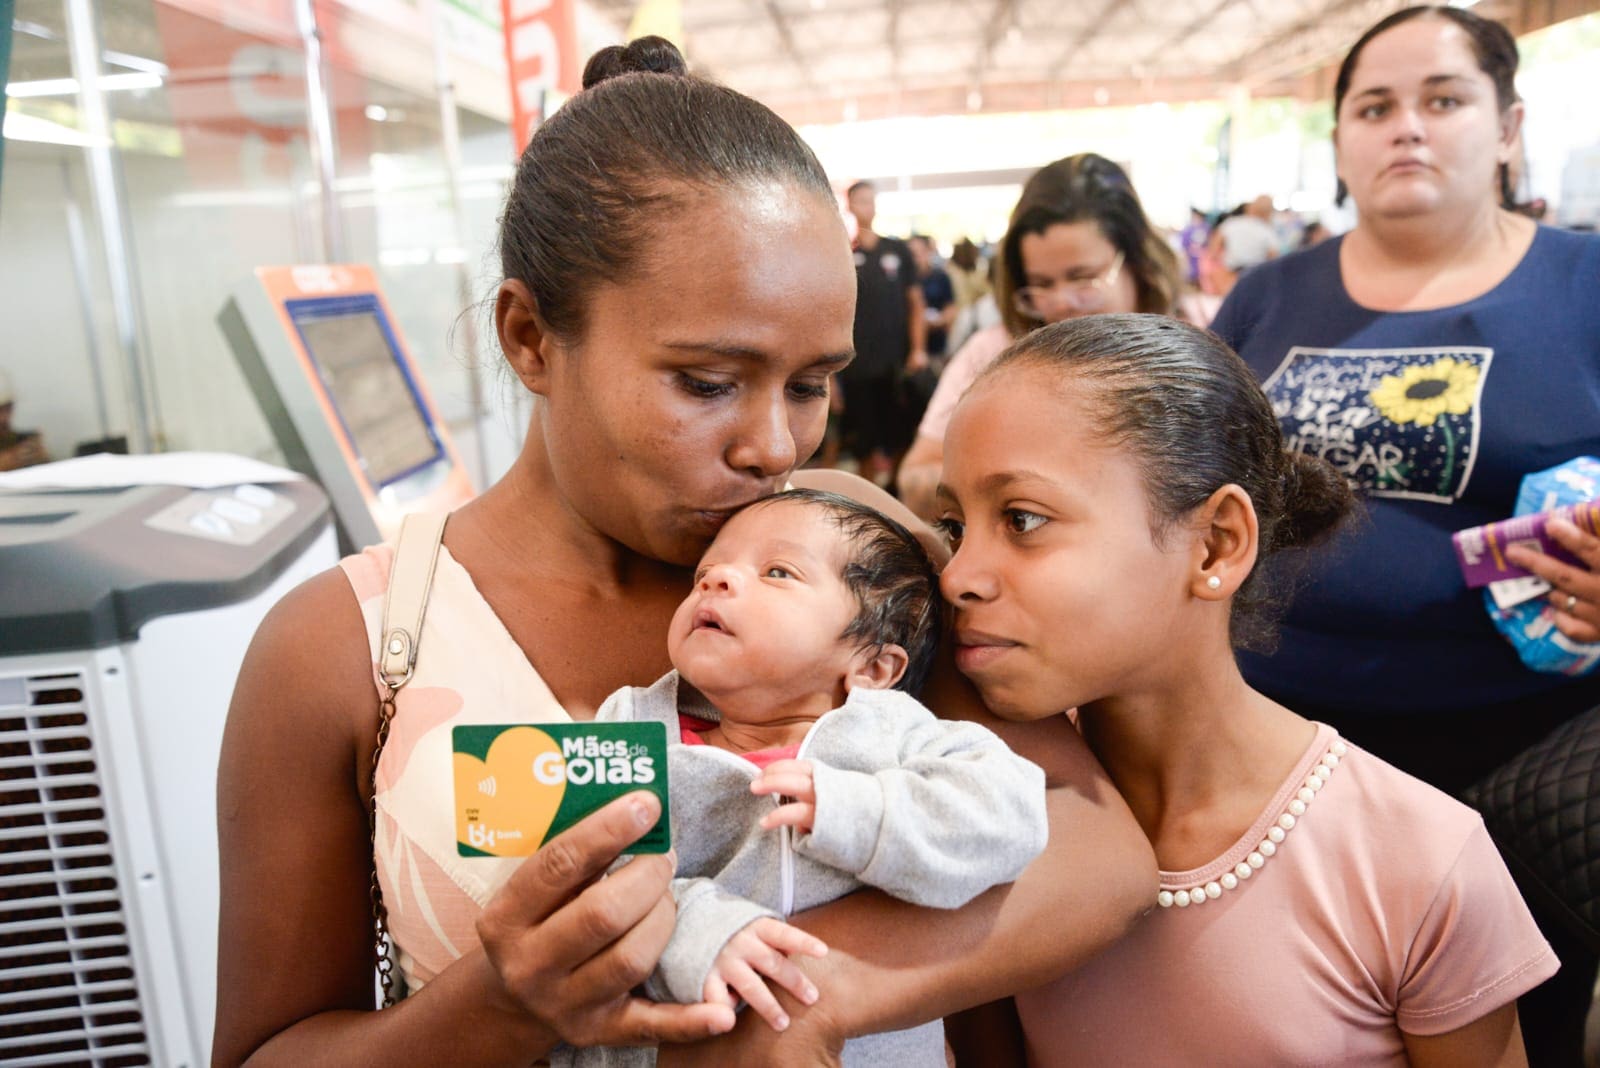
x: 768, y: 608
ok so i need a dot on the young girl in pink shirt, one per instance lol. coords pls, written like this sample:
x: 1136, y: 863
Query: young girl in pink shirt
x: 1109, y: 487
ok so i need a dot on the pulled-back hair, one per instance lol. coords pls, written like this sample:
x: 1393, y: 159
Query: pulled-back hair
x: 1189, y: 411
x: 596, y: 178
x: 1086, y: 188
x: 893, y: 580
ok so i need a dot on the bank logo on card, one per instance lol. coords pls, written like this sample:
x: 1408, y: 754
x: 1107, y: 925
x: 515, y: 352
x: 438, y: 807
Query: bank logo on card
x: 518, y: 785
x: 1396, y: 422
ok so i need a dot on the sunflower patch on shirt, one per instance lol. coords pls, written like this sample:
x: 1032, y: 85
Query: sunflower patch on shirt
x: 1395, y: 422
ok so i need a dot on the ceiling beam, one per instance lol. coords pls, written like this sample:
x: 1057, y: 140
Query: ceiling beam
x: 1001, y: 18
x: 1309, y: 43
x: 1194, y: 26
x: 1289, y: 55
x: 758, y: 61
x: 1097, y: 23
x: 951, y: 98
x: 1526, y: 16
x: 780, y: 23
x: 1312, y: 46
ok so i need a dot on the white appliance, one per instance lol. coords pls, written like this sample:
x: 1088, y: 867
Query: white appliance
x: 124, y: 616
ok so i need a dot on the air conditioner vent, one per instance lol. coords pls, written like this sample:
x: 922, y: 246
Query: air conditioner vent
x: 68, y: 993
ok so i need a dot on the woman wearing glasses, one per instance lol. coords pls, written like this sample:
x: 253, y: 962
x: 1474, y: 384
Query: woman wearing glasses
x: 1078, y: 244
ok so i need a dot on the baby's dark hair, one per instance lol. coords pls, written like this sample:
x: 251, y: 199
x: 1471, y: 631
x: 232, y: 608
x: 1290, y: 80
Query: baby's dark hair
x: 894, y: 581
x: 1190, y: 411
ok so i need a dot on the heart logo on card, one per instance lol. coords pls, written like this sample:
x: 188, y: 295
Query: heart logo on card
x: 504, y: 805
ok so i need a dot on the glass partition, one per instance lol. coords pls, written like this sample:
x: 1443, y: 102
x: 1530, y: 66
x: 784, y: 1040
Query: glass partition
x: 208, y: 107
x: 60, y: 349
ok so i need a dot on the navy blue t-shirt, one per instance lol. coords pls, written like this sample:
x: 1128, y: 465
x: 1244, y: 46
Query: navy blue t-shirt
x: 1435, y: 416
x: 938, y: 294
x: 884, y: 275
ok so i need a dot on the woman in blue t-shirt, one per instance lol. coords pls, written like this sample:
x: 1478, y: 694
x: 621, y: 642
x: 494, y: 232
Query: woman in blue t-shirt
x: 1436, y: 354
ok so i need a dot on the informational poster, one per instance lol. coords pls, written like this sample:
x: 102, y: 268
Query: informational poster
x: 541, y: 59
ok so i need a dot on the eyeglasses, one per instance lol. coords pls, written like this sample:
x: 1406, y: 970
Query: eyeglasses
x: 1081, y: 296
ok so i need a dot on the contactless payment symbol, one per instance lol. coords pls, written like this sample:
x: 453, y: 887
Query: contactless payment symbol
x: 518, y: 785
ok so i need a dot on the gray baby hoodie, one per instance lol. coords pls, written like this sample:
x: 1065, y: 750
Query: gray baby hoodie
x: 931, y: 811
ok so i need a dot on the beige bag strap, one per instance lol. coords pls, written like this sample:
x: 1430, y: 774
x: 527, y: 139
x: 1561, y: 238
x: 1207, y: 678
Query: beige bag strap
x: 410, y: 580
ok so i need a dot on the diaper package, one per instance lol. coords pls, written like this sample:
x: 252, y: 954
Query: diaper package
x: 1530, y: 626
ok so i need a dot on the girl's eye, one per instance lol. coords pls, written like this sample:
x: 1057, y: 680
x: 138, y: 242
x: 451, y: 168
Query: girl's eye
x: 701, y: 387
x: 1373, y: 111
x: 776, y: 572
x: 1021, y: 522
x: 952, y: 529
x: 1445, y: 103
x: 808, y: 391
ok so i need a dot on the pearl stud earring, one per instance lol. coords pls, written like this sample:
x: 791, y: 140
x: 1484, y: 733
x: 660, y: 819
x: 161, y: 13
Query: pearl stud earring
x: 1213, y: 583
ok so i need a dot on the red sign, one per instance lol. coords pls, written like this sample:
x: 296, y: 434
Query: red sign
x: 237, y: 90
x: 541, y: 57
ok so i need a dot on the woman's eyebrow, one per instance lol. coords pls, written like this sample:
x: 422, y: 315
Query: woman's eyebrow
x: 753, y: 355
x: 993, y: 483
x: 1000, y: 480
x: 1431, y: 81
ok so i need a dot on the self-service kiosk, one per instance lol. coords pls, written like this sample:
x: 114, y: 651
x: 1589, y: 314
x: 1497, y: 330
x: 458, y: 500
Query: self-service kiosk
x: 343, y: 396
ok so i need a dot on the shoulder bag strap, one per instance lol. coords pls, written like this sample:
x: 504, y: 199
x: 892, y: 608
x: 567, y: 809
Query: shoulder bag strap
x: 410, y: 581
x: 416, y: 553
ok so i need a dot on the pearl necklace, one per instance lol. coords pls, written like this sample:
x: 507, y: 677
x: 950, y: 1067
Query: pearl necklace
x: 1199, y: 895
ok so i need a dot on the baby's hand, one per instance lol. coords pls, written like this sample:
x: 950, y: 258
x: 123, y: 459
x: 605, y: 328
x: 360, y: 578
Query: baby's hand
x: 763, y: 948
x: 792, y: 780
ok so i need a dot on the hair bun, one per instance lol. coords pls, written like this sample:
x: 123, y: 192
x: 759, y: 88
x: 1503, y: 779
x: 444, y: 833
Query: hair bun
x: 1316, y: 499
x: 649, y: 55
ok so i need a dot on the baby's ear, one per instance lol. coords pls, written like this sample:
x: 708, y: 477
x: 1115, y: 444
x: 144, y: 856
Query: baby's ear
x: 877, y: 669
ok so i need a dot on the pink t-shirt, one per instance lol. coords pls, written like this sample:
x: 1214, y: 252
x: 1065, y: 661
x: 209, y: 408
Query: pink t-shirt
x: 1385, y: 908
x: 981, y: 349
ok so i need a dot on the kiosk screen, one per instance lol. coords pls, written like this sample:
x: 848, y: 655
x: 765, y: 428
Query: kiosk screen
x: 354, y: 351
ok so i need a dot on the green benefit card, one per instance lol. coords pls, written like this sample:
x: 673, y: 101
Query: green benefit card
x: 518, y: 785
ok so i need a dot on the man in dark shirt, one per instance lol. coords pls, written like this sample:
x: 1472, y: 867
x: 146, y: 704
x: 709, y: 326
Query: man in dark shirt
x: 890, y: 339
